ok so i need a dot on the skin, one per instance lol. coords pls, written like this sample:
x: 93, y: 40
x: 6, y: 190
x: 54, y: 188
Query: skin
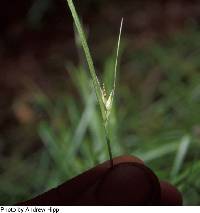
x: 129, y: 182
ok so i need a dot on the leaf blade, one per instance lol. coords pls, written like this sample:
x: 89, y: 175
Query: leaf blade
x: 87, y: 55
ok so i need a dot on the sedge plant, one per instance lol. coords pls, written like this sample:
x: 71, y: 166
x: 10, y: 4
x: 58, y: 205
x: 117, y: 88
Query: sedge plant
x: 105, y: 101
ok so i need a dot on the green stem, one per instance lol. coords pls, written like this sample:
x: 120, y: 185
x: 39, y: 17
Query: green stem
x: 88, y: 56
x: 105, y: 111
x: 109, y: 147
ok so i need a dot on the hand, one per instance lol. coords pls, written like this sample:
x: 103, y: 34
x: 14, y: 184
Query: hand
x: 128, y: 182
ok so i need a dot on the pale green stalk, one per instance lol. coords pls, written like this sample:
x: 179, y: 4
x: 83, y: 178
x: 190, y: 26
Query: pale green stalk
x: 105, y: 102
x: 88, y: 56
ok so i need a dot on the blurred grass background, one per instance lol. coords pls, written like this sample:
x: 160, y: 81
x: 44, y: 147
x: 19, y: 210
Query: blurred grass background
x: 50, y: 127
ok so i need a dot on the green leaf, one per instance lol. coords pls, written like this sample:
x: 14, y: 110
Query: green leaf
x: 87, y: 55
x: 181, y: 153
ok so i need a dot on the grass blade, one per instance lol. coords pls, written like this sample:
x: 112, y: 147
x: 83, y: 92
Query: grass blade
x: 181, y: 153
x: 117, y: 55
x: 105, y: 102
x: 159, y: 152
x: 112, y: 93
x: 87, y: 55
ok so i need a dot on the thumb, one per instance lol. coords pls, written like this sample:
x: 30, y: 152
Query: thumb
x: 129, y: 184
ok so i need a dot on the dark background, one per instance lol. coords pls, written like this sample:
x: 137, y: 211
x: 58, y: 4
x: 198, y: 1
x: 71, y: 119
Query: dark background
x: 43, y: 141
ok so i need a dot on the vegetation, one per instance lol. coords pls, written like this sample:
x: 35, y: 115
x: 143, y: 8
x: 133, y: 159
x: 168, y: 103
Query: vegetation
x: 155, y: 116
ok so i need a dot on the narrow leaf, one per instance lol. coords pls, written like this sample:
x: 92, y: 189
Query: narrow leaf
x: 181, y: 154
x: 116, y: 64
x: 117, y: 55
x: 88, y: 55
